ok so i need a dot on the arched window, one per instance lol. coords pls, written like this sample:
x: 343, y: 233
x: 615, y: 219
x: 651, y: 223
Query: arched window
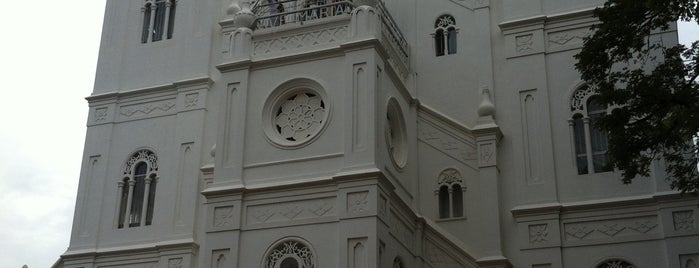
x: 615, y: 263
x: 289, y: 253
x: 158, y: 20
x: 137, y: 190
x: 590, y: 142
x: 450, y: 194
x: 445, y: 35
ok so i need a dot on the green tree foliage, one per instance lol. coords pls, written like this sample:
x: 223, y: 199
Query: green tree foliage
x: 652, y: 84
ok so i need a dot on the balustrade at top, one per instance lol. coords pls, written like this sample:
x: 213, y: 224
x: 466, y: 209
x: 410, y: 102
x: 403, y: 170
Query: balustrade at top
x: 273, y: 13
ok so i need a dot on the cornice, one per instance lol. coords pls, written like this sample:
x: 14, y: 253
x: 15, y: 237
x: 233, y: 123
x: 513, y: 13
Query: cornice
x: 193, y: 82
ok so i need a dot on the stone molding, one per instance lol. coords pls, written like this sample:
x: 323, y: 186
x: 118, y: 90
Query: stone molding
x: 161, y: 100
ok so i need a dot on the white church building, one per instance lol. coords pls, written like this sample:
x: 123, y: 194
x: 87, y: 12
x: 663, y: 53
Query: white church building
x: 359, y: 134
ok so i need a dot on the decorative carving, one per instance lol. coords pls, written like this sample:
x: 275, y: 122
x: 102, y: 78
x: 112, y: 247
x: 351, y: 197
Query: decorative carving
x: 683, y: 220
x: 101, y: 114
x: 538, y: 233
x: 446, y: 143
x: 223, y: 216
x: 449, y: 176
x: 191, y: 100
x: 300, y: 116
x: 574, y: 37
x: 580, y: 96
x: 294, y: 250
x: 611, y: 228
x: 578, y: 232
x: 357, y: 202
x: 444, y: 21
x: 486, y: 154
x: 321, y: 208
x: 146, y: 108
x: 524, y: 42
x: 401, y: 231
x: 174, y: 263
x: 615, y: 264
x: 643, y: 226
x: 143, y: 155
x: 437, y: 256
x: 301, y: 40
x: 294, y: 210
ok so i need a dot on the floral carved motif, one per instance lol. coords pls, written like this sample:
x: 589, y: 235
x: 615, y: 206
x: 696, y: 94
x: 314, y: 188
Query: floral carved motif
x: 223, y: 216
x: 538, y: 233
x: 191, y: 100
x: 683, y: 220
x: 524, y: 42
x: 300, y: 116
x: 357, y: 202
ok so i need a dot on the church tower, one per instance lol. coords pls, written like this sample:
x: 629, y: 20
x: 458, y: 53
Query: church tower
x: 358, y: 134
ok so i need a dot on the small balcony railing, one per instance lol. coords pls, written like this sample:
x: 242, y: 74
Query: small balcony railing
x: 273, y: 13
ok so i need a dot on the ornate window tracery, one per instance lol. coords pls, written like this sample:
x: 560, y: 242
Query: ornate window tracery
x: 136, y: 189
x: 158, y: 20
x: 615, y: 263
x: 589, y: 141
x: 445, y: 35
x: 450, y: 194
x: 290, y: 253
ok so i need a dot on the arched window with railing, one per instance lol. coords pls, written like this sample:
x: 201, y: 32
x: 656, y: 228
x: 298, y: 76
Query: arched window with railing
x: 136, y: 190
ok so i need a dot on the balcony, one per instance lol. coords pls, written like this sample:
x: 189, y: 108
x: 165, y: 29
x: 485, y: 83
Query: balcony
x: 283, y: 27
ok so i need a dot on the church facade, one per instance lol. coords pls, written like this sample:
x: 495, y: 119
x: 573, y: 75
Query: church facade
x: 359, y: 134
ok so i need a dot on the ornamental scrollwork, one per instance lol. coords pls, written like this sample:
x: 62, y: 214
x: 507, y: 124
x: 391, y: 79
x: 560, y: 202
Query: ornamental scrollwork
x: 141, y: 156
x: 294, y: 250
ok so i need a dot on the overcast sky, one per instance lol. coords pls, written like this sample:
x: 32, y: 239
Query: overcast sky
x: 47, y: 67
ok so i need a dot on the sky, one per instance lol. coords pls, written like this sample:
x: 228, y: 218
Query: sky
x: 47, y: 68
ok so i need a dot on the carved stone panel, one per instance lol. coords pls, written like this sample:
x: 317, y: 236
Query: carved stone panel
x: 290, y: 211
x: 683, y: 220
x: 567, y: 39
x: 358, y: 202
x: 297, y: 41
x: 148, y: 109
x: 224, y: 216
x: 447, y: 143
x: 175, y: 263
x: 607, y: 230
x: 525, y: 43
x: 538, y: 233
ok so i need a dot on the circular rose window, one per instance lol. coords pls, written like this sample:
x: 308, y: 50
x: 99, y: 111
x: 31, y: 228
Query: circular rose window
x: 295, y: 113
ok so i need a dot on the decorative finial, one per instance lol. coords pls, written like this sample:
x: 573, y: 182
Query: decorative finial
x: 486, y: 108
x: 233, y: 8
x: 244, y: 18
